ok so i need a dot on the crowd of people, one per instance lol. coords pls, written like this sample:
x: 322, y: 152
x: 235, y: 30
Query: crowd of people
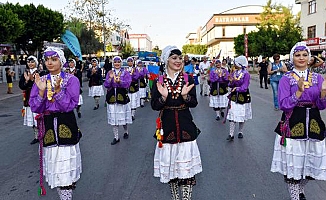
x: 51, y: 96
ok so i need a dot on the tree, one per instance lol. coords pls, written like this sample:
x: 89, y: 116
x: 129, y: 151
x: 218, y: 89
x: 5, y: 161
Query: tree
x: 127, y: 50
x: 277, y: 32
x: 41, y: 24
x: 194, y: 49
x: 11, y: 27
x: 89, y: 43
x: 157, y: 50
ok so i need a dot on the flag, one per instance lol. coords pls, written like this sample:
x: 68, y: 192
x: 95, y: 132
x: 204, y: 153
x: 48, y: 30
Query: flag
x: 72, y: 42
x: 189, y: 69
x: 219, y: 54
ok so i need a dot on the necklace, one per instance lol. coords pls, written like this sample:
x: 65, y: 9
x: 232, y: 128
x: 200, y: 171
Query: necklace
x: 50, y: 88
x: 174, y: 89
x: 117, y: 76
x: 307, y: 83
x: 238, y: 75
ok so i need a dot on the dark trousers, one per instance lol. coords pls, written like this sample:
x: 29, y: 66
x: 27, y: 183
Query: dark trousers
x: 261, y: 76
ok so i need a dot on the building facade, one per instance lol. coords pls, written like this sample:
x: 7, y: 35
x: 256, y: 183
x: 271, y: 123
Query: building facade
x: 221, y: 29
x: 140, y: 42
x: 313, y: 23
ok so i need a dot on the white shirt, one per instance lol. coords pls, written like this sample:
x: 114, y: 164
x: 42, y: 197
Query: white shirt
x: 203, y: 67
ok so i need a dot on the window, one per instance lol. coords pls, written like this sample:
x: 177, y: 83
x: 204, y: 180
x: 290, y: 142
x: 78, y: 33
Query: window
x: 223, y: 32
x: 312, y: 7
x: 311, y: 31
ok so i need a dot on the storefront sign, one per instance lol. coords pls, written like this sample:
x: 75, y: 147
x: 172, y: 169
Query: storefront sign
x: 322, y: 40
x: 312, y: 41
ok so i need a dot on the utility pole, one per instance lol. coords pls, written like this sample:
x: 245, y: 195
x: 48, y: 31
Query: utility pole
x: 103, y: 29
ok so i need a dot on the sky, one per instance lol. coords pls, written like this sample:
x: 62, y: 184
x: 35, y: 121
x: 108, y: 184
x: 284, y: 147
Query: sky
x: 167, y: 22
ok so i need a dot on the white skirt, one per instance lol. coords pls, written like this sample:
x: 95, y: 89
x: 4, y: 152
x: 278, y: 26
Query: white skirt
x: 80, y: 100
x: 180, y: 160
x: 239, y: 112
x: 218, y: 101
x: 134, y: 100
x: 29, y: 117
x: 119, y: 114
x: 142, y: 92
x: 300, y: 158
x: 96, y: 91
x: 62, y: 165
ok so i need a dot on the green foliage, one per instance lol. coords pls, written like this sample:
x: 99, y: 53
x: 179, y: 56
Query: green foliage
x: 127, y: 50
x: 41, y: 24
x: 277, y: 32
x: 89, y: 44
x: 157, y: 50
x: 194, y: 49
x: 11, y: 27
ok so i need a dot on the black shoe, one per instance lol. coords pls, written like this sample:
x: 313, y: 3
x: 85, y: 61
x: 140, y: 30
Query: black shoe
x: 133, y: 118
x: 218, y: 118
x: 222, y: 114
x: 240, y: 135
x: 142, y: 106
x: 261, y: 86
x: 206, y: 95
x: 79, y: 115
x: 115, y: 141
x: 302, y: 196
x: 230, y: 138
x: 266, y: 87
x: 201, y: 93
x: 34, y: 141
x: 126, y: 136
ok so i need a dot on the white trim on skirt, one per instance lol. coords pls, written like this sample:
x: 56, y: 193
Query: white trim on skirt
x: 119, y: 114
x: 95, y: 91
x: 134, y: 100
x: 29, y: 117
x: 218, y: 101
x: 239, y: 112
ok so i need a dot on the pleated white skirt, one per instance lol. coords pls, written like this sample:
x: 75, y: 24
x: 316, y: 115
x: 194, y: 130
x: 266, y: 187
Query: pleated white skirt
x: 29, y: 117
x: 119, y: 114
x: 239, y: 112
x: 180, y: 160
x: 62, y: 165
x: 134, y: 100
x: 300, y: 158
x: 142, y: 92
x: 96, y: 91
x: 218, y: 101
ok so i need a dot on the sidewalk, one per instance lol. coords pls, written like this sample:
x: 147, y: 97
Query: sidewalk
x: 15, y: 89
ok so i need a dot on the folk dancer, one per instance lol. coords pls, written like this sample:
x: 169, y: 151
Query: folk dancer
x: 143, y: 78
x: 26, y: 83
x: 218, y: 99
x: 239, y: 109
x: 117, y: 82
x: 94, y: 74
x: 72, y: 69
x: 133, y: 91
x: 300, y: 146
x: 54, y: 97
x: 177, y: 157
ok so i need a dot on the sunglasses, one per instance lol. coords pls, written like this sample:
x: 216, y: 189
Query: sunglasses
x: 31, y: 61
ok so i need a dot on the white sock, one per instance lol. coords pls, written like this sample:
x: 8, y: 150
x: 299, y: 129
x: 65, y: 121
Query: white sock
x: 116, y: 132
x: 232, y: 127
x: 65, y: 194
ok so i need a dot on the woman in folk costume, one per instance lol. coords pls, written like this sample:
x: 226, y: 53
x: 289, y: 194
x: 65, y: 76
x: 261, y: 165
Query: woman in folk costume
x: 134, y: 87
x: 54, y: 97
x: 177, y: 157
x: 239, y: 109
x: 94, y: 74
x: 143, y: 77
x: 117, y: 82
x: 26, y: 82
x: 300, y: 147
x: 218, y: 99
x: 76, y: 72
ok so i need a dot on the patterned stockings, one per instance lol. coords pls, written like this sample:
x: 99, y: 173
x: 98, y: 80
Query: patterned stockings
x: 65, y: 194
x: 186, y: 192
x: 174, y: 188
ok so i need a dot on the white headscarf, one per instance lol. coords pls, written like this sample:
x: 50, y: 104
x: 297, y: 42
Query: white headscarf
x: 299, y: 46
x: 54, y: 51
x: 166, y: 52
x: 33, y: 58
x: 241, y: 61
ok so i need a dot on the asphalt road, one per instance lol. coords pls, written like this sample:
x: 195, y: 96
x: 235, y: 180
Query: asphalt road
x: 231, y: 171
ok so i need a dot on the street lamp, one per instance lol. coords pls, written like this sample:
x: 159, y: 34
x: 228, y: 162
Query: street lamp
x: 103, y: 29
